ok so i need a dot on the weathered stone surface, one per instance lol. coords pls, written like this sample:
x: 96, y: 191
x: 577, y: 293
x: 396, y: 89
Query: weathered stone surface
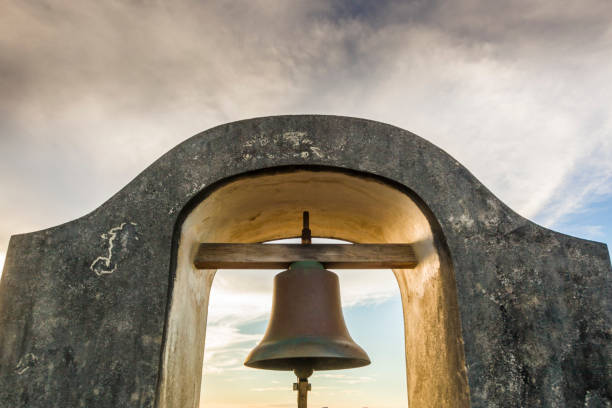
x: 83, y: 305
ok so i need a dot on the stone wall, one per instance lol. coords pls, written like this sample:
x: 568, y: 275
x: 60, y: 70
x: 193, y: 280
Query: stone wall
x: 85, y: 306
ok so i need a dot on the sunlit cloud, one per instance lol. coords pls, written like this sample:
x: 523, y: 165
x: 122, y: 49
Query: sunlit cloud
x: 268, y: 389
x: 591, y: 230
x: 224, y: 343
x: 346, y: 379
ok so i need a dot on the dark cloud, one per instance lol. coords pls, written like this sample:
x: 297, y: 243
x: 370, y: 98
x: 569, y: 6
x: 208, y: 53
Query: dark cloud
x: 382, y: 13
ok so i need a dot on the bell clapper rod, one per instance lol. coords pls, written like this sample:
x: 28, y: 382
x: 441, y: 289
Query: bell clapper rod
x: 302, y: 386
x: 306, y: 234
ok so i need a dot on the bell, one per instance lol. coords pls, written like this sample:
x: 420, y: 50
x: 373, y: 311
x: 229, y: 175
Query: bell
x: 306, y: 331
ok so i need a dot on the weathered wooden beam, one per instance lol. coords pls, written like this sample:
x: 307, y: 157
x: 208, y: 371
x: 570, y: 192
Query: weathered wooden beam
x: 280, y: 256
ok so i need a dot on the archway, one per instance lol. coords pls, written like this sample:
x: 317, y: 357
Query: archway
x: 238, y: 315
x: 357, y: 207
x: 105, y: 294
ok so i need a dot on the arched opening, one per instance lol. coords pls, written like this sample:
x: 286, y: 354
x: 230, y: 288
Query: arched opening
x: 356, y: 207
x: 238, y: 315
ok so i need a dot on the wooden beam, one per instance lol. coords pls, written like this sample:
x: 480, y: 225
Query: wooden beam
x: 280, y: 256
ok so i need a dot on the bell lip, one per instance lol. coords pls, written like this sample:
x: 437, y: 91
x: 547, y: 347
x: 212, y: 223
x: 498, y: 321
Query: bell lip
x: 338, y: 353
x: 284, y: 364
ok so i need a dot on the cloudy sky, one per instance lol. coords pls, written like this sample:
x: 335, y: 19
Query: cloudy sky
x: 92, y: 92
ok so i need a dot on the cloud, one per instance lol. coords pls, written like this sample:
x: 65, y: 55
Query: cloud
x: 517, y: 91
x: 347, y: 379
x: 268, y: 389
x: 590, y: 230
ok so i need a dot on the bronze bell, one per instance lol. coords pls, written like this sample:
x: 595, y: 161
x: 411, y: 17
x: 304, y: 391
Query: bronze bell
x: 306, y: 331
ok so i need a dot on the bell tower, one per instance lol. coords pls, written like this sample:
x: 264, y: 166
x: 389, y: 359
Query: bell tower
x: 109, y: 310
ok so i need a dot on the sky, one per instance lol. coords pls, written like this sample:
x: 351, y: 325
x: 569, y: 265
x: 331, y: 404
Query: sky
x: 238, y: 315
x: 518, y: 91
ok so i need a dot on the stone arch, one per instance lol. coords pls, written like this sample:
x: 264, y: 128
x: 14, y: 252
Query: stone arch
x: 83, y: 305
x: 354, y: 206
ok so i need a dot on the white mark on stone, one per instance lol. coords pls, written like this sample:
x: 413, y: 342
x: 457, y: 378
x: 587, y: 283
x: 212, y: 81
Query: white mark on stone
x: 316, y: 151
x: 135, y: 397
x: 197, y: 187
x: 490, y: 296
x: 105, y: 261
x: 464, y: 221
x: 300, y: 140
x: 257, y: 141
x: 24, y: 364
x: 297, y: 138
x: 303, y: 147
